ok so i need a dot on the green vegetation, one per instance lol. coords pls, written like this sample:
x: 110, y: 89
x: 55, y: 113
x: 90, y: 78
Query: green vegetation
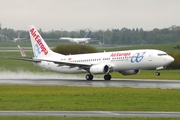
x: 122, y: 36
x: 14, y: 65
x: 18, y: 97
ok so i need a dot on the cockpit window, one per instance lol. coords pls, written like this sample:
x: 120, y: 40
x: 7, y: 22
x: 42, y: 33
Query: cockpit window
x: 162, y: 54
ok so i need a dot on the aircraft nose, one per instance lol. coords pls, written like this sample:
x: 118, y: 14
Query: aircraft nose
x: 170, y: 59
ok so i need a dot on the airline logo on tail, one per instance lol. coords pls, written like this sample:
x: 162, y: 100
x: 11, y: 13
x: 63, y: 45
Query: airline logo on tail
x: 39, y: 44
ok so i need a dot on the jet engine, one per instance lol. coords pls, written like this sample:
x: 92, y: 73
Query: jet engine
x: 129, y: 72
x: 99, y: 69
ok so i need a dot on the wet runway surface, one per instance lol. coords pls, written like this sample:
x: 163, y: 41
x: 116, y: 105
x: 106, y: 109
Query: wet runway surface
x: 134, y: 83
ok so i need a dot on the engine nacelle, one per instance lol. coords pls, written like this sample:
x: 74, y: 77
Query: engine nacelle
x: 129, y: 72
x: 99, y: 69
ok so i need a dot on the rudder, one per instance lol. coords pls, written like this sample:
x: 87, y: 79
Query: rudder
x: 88, y: 35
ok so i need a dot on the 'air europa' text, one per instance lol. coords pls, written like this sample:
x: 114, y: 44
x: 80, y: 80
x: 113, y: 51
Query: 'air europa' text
x: 39, y: 42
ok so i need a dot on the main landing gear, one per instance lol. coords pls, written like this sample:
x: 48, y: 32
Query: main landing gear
x: 158, y: 73
x: 107, y: 77
x: 90, y: 77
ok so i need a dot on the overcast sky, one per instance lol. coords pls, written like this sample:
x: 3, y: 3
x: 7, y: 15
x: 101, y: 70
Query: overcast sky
x: 89, y: 14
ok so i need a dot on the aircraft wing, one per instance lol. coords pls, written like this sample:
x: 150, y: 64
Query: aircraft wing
x: 80, y: 65
x: 71, y: 64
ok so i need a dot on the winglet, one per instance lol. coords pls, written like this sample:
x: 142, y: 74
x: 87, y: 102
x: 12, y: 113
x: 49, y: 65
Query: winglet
x: 23, y: 54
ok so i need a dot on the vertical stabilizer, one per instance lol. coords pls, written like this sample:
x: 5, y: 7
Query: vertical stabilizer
x: 88, y: 35
x: 40, y: 48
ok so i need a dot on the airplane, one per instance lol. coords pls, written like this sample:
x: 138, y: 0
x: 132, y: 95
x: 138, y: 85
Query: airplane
x: 84, y: 40
x: 18, y: 38
x: 128, y: 62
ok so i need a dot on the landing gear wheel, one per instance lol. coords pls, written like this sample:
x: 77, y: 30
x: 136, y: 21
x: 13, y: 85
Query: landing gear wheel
x: 89, y: 77
x: 107, y: 77
x: 158, y: 73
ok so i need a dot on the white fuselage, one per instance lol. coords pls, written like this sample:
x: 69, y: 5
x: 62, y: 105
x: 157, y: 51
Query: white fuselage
x: 118, y: 60
x: 128, y: 62
x: 76, y: 40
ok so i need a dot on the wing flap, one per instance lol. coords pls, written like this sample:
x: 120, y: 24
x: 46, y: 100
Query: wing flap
x: 25, y: 59
x: 80, y: 65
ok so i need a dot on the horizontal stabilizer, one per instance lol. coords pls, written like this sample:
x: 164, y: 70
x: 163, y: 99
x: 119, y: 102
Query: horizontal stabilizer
x: 25, y: 59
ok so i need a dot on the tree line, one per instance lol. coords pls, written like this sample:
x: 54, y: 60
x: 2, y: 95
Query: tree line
x: 123, y: 36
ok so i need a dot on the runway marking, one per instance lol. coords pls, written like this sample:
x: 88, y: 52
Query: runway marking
x: 150, y: 114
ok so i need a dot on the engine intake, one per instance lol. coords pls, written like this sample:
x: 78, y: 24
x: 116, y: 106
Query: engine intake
x: 129, y: 72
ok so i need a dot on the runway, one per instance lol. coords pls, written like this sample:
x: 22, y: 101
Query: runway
x: 93, y: 114
x: 134, y: 83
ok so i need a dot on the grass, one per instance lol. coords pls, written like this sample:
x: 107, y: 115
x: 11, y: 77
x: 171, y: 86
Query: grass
x: 14, y: 65
x: 23, y: 97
